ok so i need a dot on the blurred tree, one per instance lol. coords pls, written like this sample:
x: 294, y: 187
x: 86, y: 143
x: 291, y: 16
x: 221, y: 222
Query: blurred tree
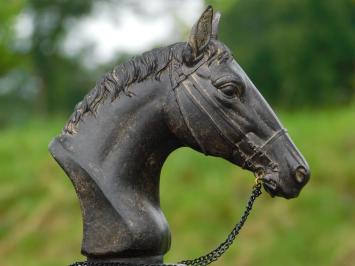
x: 58, y: 74
x: 296, y: 51
x: 34, y: 72
x: 8, y: 13
x: 8, y: 59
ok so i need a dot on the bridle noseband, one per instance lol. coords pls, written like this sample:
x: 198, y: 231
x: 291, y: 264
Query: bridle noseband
x: 263, y: 148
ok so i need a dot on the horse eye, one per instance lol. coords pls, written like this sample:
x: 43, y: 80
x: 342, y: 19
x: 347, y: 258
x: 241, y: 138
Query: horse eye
x: 230, y: 89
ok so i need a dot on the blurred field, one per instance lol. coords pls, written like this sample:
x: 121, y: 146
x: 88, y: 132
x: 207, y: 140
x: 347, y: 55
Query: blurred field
x: 40, y: 221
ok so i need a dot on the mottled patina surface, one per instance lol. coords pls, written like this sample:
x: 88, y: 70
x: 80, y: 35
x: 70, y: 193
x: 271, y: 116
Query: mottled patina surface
x: 188, y: 94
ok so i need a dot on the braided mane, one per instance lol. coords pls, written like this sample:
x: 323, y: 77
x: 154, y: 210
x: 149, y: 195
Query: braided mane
x: 112, y: 84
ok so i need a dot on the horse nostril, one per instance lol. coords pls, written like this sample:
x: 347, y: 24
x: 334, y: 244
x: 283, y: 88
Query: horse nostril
x: 301, y: 175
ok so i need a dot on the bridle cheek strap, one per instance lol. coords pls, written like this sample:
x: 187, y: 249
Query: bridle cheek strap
x: 184, y: 115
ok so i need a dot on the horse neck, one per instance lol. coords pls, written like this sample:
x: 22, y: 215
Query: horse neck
x: 114, y: 161
x: 127, y: 142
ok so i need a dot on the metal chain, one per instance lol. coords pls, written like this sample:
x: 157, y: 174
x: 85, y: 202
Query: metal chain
x: 203, y: 260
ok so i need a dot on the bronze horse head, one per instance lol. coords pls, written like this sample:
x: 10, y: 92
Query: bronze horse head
x: 188, y: 94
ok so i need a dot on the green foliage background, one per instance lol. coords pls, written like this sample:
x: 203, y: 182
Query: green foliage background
x: 202, y: 197
x: 300, y: 54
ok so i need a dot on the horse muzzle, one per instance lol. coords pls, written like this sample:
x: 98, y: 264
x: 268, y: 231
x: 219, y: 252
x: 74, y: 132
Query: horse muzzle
x: 286, y: 186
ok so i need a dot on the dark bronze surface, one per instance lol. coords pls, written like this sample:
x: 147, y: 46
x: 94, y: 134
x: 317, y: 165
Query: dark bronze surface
x: 188, y: 94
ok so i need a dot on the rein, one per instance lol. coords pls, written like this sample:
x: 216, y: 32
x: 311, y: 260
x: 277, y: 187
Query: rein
x: 205, y: 259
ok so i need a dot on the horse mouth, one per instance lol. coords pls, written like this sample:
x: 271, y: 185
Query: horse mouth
x: 270, y: 187
x: 273, y: 189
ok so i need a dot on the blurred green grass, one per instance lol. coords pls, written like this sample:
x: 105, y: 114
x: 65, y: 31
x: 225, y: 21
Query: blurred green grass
x: 202, y: 197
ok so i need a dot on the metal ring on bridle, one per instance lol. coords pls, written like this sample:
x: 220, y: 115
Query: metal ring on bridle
x: 258, y: 180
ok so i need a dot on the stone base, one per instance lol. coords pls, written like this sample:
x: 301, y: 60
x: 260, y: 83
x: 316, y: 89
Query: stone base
x: 133, y: 260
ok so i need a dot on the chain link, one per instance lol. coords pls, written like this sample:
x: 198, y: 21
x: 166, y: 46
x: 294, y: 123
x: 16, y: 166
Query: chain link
x: 203, y: 260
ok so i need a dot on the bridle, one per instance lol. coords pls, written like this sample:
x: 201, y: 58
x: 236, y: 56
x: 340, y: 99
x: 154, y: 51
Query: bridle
x: 251, y: 155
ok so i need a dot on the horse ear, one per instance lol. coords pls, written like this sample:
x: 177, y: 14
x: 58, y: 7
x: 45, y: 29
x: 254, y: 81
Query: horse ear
x: 215, y: 23
x: 200, y: 34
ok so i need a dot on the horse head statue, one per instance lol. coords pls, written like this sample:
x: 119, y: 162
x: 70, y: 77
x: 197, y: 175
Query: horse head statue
x: 188, y: 94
